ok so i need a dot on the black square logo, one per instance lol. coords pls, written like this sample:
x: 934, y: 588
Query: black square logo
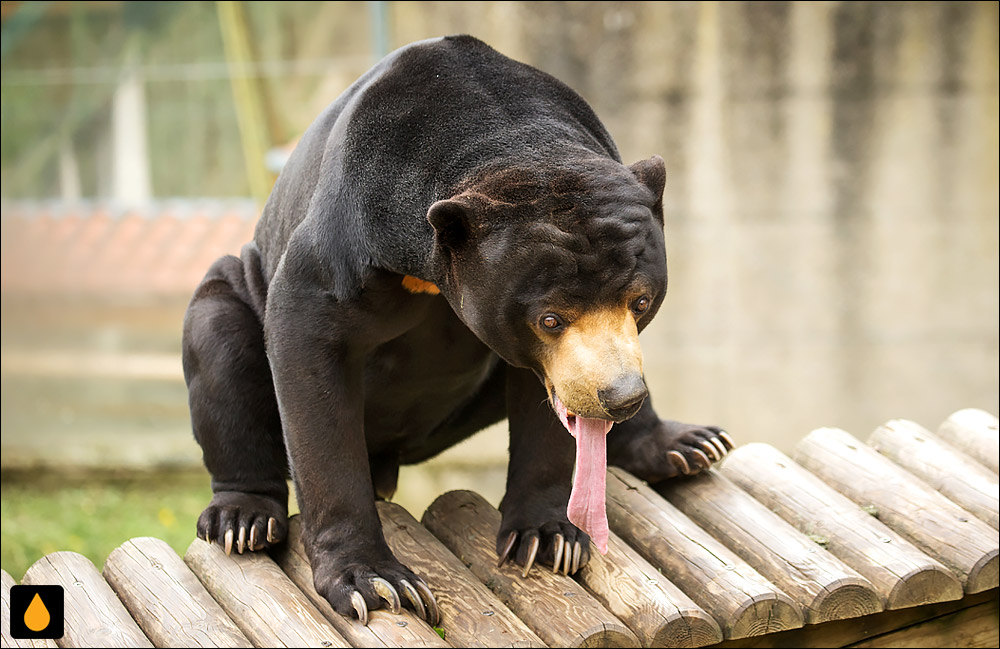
x: 36, y: 612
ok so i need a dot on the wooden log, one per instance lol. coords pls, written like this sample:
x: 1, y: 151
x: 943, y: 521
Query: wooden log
x: 901, y: 574
x: 975, y: 626
x: 737, y: 596
x: 656, y: 610
x: 847, y: 633
x: 166, y: 599
x: 94, y: 615
x: 471, y: 615
x: 260, y: 599
x: 825, y: 587
x: 961, y: 479
x: 974, y: 432
x: 5, y: 636
x: 953, y: 536
x: 557, y: 608
x: 384, y: 629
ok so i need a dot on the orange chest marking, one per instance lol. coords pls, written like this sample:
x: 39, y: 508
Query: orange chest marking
x: 415, y: 285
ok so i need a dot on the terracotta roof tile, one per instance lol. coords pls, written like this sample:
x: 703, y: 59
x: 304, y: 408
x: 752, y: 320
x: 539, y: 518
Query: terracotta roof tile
x: 94, y: 249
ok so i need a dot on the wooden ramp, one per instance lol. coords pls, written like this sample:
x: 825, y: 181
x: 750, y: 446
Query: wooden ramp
x: 889, y: 543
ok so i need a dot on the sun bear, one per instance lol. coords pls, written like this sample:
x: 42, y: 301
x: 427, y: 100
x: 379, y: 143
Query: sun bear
x: 454, y: 241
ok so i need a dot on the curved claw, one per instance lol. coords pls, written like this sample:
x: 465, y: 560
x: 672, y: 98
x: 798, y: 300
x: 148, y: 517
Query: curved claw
x: 680, y: 462
x: 717, y: 443
x: 229, y: 541
x: 270, y: 529
x: 710, y: 448
x: 253, y: 538
x: 241, y: 542
x: 577, y: 553
x: 411, y: 595
x: 508, y: 546
x: 358, y: 602
x: 532, y: 553
x: 385, y: 590
x: 557, y: 543
x: 702, y: 458
x: 433, y: 614
x: 724, y: 436
x: 567, y: 559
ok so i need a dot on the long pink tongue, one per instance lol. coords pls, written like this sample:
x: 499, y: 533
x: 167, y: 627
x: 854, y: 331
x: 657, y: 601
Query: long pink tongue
x: 586, y: 507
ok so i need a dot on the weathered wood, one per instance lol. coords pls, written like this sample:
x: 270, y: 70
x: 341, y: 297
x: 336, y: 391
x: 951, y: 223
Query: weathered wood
x: 384, y: 629
x: 5, y: 637
x: 902, y: 574
x: 962, y: 480
x: 260, y: 598
x: 471, y: 615
x: 825, y: 587
x: 737, y: 596
x: 972, y: 627
x: 557, y: 608
x: 659, y: 613
x: 975, y: 433
x: 844, y: 633
x: 953, y: 536
x: 94, y: 616
x: 166, y: 599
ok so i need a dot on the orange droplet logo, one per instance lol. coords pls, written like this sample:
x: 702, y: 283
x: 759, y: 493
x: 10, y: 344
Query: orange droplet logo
x: 37, y: 616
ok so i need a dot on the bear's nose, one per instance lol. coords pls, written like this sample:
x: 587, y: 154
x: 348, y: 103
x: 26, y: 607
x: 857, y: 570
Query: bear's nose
x: 623, y: 398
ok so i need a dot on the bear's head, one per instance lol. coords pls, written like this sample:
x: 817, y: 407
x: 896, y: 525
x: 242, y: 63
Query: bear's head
x: 557, y: 268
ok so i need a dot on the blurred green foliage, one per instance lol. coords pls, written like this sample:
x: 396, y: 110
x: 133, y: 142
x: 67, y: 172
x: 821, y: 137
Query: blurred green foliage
x: 93, y: 515
x: 63, y: 66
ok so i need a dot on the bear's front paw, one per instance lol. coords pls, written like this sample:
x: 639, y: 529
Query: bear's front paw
x: 356, y: 585
x: 557, y: 543
x: 243, y: 521
x: 669, y: 449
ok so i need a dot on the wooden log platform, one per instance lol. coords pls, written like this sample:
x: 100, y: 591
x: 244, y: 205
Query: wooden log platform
x: 885, y: 544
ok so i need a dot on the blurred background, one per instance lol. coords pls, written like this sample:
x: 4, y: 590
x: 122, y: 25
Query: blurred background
x: 831, y: 217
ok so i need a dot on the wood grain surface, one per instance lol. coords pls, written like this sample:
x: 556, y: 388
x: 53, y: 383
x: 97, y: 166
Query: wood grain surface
x: 742, y: 601
x: 966, y: 545
x: 471, y: 615
x: 166, y: 599
x: 901, y: 574
x: 656, y: 610
x: 556, y: 608
x: 383, y: 630
x: 824, y: 586
x: 957, y: 476
x: 269, y: 609
x: 975, y: 433
x: 94, y: 615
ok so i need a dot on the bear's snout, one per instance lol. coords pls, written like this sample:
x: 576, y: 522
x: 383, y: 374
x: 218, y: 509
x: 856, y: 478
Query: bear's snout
x: 623, y: 398
x: 595, y: 366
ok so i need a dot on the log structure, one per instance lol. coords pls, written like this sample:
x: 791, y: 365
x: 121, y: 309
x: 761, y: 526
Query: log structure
x: 884, y: 544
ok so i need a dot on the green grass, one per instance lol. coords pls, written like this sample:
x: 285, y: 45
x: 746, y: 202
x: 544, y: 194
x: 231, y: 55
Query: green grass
x: 92, y: 515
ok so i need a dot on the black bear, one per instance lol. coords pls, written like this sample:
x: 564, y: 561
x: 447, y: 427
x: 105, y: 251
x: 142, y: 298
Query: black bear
x: 453, y: 241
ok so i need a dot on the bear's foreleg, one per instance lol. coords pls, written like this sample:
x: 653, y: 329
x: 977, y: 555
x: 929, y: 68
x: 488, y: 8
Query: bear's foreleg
x: 233, y: 410
x: 539, y: 479
x: 655, y: 449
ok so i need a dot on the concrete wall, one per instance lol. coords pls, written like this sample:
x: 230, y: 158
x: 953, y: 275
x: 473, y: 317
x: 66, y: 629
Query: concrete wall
x: 831, y: 195
x: 831, y: 203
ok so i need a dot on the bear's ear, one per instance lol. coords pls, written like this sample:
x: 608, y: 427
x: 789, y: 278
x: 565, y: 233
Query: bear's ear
x: 653, y: 174
x: 451, y: 220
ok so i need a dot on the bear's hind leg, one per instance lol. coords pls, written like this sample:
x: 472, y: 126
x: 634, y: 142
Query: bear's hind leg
x: 234, y: 412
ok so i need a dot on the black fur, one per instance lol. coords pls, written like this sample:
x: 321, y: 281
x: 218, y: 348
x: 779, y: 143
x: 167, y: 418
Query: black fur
x: 450, y: 163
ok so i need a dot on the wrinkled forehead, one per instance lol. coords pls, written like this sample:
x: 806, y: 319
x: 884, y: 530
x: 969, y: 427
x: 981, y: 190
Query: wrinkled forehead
x: 598, y: 255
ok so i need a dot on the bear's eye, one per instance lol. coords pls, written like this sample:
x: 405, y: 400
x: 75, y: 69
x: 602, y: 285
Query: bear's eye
x: 641, y: 305
x: 551, y: 322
